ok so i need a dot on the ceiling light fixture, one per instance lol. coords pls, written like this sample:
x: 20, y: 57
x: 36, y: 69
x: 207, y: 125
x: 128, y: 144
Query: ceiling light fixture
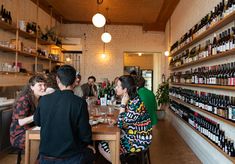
x: 98, y: 19
x: 106, y: 37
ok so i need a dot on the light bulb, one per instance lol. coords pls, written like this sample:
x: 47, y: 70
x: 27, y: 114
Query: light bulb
x: 98, y: 20
x: 103, y: 55
x: 106, y: 37
x: 166, y: 53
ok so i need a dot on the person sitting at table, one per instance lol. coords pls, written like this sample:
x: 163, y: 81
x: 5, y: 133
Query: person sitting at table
x: 51, y: 84
x: 133, y: 120
x: 23, y: 110
x: 65, y: 135
x: 148, y: 98
x: 77, y: 88
x: 89, y: 89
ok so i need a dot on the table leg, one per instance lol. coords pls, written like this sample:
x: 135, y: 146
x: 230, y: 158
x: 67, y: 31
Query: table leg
x: 27, y: 148
x: 113, y: 151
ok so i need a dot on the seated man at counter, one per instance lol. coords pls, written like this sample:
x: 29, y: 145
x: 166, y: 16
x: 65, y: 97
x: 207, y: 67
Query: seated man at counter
x: 89, y: 89
x: 65, y: 135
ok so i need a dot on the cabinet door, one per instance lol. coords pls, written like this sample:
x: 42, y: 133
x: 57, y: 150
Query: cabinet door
x: 5, y: 130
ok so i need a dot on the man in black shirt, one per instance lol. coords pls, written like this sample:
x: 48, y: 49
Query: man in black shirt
x: 64, y: 120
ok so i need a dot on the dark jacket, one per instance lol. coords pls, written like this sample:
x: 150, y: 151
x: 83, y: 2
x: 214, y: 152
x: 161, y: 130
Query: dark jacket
x: 64, y: 121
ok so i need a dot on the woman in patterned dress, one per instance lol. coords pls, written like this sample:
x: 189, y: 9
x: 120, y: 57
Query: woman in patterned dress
x: 133, y: 120
x: 23, y: 110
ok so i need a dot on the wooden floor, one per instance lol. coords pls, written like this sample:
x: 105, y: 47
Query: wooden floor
x: 167, y: 148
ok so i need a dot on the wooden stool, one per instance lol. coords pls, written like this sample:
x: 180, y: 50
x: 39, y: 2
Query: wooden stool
x: 142, y: 157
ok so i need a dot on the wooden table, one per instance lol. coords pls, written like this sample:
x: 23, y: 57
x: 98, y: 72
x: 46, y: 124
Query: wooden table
x: 99, y: 132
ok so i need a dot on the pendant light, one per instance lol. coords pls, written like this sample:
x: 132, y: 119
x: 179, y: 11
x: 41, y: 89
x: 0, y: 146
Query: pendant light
x: 106, y: 37
x: 98, y: 19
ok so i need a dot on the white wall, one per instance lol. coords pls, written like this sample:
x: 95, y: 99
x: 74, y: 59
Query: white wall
x: 124, y: 39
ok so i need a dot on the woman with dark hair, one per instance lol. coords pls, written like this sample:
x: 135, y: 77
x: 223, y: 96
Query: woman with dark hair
x: 133, y: 120
x: 23, y: 110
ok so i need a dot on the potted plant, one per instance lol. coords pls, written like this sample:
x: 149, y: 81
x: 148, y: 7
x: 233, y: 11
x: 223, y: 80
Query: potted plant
x: 162, y: 98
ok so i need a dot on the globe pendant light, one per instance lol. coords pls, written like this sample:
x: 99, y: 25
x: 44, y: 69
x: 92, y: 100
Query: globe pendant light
x: 106, y: 37
x: 98, y: 20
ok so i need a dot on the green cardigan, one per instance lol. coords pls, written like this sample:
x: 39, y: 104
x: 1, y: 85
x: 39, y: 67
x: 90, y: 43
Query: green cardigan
x: 148, y: 98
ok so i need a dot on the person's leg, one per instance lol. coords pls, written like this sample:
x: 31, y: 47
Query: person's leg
x: 104, y: 150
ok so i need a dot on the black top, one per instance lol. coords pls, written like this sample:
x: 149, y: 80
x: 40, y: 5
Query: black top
x: 64, y: 120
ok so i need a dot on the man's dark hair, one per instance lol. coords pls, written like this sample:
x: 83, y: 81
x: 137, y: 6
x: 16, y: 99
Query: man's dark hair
x: 133, y: 73
x: 92, y: 77
x: 66, y: 75
x: 140, y: 81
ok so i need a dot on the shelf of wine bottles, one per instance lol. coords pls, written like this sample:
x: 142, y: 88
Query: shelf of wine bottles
x: 181, y: 64
x: 208, y: 129
x: 222, y: 75
x: 221, y: 15
x: 218, y: 105
x: 222, y: 42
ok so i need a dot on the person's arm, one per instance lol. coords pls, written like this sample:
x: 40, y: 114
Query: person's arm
x: 129, y: 115
x: 22, y: 111
x: 26, y: 120
x: 84, y: 128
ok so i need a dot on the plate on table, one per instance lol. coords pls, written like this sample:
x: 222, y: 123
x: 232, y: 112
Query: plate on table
x: 93, y: 122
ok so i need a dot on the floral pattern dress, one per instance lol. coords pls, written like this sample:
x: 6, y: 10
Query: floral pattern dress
x: 22, y: 109
x: 136, y: 128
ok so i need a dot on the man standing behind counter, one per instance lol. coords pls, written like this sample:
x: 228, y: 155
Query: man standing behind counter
x: 65, y: 130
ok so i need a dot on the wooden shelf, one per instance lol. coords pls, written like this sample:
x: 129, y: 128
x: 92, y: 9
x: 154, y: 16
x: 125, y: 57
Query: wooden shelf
x: 15, y: 73
x: 232, y: 159
x: 229, y: 18
x: 23, y: 53
x: 7, y: 26
x: 43, y: 58
x: 56, y: 61
x: 216, y: 56
x: 207, y: 86
x: 203, y: 111
x: 7, y: 49
x: 27, y: 35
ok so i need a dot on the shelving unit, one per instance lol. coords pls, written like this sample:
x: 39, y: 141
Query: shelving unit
x: 212, y: 59
x: 231, y: 88
x: 232, y: 159
x: 8, y: 28
x: 209, y: 58
x: 229, y: 18
x: 203, y: 111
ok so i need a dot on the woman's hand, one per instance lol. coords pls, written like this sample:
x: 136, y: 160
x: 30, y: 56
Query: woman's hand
x: 125, y: 99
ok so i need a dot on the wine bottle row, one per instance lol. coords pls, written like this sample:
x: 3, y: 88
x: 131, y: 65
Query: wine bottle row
x: 221, y: 105
x: 205, y: 126
x: 224, y: 8
x: 5, y: 15
x: 221, y: 42
x: 222, y: 74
